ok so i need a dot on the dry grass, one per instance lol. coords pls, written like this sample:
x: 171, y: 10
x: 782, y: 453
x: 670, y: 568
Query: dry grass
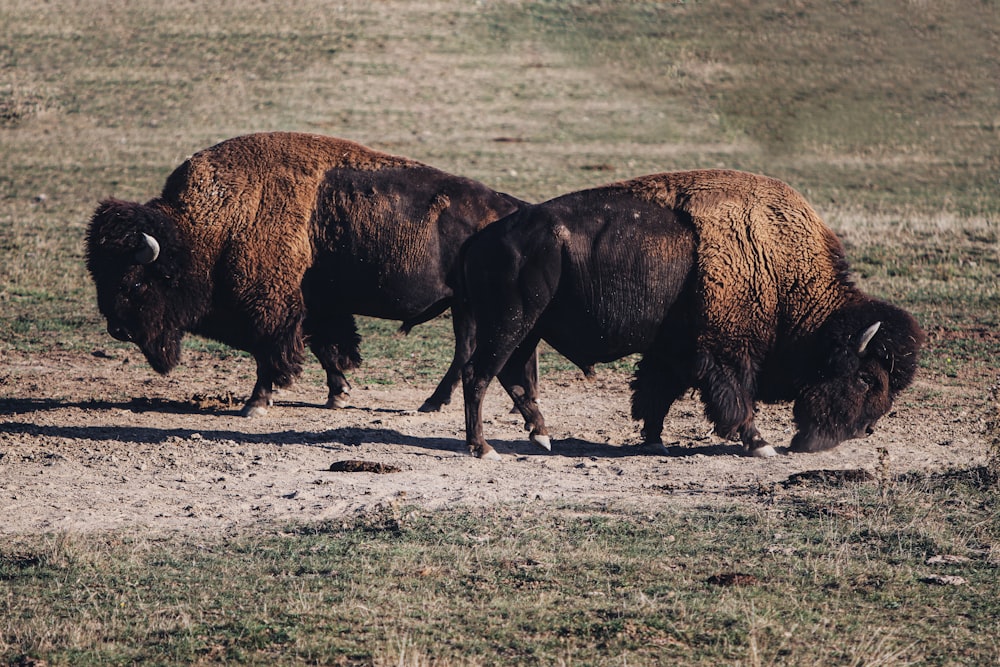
x: 811, y: 574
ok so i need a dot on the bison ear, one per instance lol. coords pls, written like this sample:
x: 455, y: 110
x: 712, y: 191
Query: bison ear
x: 149, y: 251
x: 866, y: 337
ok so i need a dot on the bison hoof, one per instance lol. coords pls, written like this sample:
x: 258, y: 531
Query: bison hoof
x: 430, y: 406
x: 655, y: 447
x: 542, y: 441
x: 486, y: 453
x: 253, y: 411
x: 338, y: 401
x: 765, y: 452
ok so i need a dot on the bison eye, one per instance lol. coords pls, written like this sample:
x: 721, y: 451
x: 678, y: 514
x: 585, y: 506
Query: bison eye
x: 133, y: 290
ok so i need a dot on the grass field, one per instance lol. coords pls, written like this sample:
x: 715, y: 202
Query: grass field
x: 886, y: 115
x: 837, y: 575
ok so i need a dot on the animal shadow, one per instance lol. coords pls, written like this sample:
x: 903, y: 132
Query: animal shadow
x: 583, y: 448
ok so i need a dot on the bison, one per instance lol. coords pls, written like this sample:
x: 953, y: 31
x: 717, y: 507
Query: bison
x: 268, y: 241
x: 726, y: 282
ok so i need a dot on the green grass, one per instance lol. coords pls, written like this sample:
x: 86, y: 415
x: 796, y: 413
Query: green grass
x: 883, y: 105
x: 832, y: 575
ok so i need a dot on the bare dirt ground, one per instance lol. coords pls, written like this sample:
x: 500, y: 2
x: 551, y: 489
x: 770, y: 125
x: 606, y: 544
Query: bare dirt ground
x: 92, y: 442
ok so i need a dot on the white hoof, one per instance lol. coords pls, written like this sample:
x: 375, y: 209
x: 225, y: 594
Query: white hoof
x: 542, y: 441
x: 255, y: 411
x: 765, y: 452
x: 491, y: 456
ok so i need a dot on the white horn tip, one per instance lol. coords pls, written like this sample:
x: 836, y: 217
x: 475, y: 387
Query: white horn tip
x: 149, y: 252
x: 867, y: 336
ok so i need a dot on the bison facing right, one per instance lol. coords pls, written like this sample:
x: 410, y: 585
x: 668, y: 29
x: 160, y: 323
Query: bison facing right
x: 727, y: 282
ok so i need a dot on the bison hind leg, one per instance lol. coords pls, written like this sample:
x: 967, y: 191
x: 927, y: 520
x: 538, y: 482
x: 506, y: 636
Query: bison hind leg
x: 464, y: 328
x: 519, y: 377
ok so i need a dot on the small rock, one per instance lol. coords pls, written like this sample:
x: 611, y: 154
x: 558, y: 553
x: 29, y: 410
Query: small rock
x: 946, y: 559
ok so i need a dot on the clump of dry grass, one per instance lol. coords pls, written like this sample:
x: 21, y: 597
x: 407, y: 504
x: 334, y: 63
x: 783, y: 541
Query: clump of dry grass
x: 20, y: 103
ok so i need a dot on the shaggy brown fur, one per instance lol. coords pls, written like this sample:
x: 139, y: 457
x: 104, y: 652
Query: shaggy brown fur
x: 761, y: 246
x: 726, y: 281
x: 249, y: 202
x: 269, y: 239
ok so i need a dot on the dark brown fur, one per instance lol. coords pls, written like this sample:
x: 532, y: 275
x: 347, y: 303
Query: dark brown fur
x: 270, y: 240
x: 725, y: 281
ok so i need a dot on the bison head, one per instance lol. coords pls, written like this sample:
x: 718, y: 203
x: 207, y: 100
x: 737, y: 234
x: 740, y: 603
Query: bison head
x: 143, y: 278
x: 865, y: 354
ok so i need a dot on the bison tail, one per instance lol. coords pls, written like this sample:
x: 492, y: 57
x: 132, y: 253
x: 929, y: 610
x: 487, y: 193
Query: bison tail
x: 426, y: 316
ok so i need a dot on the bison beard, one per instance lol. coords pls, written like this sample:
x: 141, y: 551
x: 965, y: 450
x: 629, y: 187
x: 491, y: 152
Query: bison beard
x: 163, y: 353
x: 726, y: 282
x: 268, y: 241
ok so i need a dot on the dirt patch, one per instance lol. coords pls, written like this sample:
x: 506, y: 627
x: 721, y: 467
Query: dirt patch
x: 97, y: 442
x: 733, y: 579
x: 362, y: 466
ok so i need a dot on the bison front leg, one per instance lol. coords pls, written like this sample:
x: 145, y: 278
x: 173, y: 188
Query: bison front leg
x: 261, y: 399
x: 339, y: 389
x: 278, y: 363
x: 754, y: 443
x: 727, y: 391
x: 465, y: 332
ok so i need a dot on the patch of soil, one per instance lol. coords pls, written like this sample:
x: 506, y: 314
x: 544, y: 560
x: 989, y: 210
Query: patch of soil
x: 97, y: 442
x: 733, y: 579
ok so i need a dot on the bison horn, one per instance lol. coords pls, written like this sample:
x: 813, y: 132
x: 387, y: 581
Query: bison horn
x: 148, y: 253
x: 866, y: 337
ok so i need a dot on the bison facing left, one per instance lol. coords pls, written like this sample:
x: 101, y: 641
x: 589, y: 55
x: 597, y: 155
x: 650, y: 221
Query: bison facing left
x: 266, y: 241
